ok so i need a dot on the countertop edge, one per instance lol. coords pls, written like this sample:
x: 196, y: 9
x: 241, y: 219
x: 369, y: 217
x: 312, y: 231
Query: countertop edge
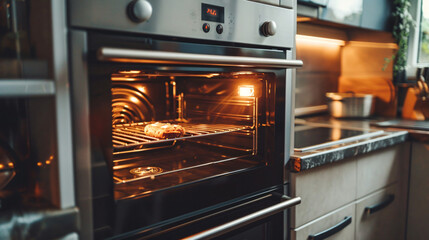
x: 323, y: 157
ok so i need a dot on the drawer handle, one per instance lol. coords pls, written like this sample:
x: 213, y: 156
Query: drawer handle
x: 331, y: 231
x: 377, y: 207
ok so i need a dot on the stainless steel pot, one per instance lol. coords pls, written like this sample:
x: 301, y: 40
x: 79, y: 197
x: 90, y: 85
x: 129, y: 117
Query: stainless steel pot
x: 352, y: 105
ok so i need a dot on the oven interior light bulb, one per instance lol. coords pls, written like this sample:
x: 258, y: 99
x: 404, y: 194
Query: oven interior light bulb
x: 134, y: 99
x: 246, y: 91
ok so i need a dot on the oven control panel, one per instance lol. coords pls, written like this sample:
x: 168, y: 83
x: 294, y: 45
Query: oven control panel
x: 238, y: 21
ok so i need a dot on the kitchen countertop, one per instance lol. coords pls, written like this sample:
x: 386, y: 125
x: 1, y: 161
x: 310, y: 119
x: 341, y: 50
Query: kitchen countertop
x: 301, y: 161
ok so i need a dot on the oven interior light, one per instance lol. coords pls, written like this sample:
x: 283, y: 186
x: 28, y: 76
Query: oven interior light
x: 246, y: 91
x: 130, y: 72
x: 134, y: 99
x: 142, y: 89
x: 242, y: 73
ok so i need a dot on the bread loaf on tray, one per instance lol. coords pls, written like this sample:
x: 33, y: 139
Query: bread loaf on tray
x: 164, y: 130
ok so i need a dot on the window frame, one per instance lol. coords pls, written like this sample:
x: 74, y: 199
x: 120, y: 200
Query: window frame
x: 414, y: 38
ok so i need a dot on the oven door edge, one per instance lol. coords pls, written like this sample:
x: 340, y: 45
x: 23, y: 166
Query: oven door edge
x: 226, y: 221
x: 248, y: 219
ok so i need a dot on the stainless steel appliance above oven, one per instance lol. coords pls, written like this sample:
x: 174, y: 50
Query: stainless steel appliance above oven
x: 183, y: 117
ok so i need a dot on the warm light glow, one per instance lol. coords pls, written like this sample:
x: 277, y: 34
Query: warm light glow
x: 10, y: 164
x: 39, y: 164
x: 134, y: 99
x: 130, y: 72
x: 123, y: 79
x: 48, y: 162
x: 242, y: 73
x: 1, y: 166
x: 142, y: 89
x: 319, y: 40
x: 246, y: 91
x: 303, y: 19
x: 372, y: 45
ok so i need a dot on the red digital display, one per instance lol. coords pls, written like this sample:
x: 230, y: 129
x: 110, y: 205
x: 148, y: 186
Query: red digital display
x: 212, y: 13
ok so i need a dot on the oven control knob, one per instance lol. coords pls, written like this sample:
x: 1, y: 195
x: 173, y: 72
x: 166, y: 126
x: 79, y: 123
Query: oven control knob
x: 139, y: 10
x: 268, y: 28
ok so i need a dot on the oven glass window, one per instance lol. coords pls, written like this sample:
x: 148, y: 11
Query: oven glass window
x: 170, y: 128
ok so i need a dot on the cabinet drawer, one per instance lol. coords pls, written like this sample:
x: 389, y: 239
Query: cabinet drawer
x: 336, y: 224
x: 378, y: 169
x: 381, y: 215
x: 322, y: 190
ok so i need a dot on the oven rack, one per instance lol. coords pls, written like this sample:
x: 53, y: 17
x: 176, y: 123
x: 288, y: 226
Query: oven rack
x: 127, y: 136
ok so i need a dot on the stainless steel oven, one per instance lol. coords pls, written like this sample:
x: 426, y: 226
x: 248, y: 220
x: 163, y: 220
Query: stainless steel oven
x: 215, y: 84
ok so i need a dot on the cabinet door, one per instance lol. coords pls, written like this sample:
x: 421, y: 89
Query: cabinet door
x: 322, y: 190
x: 345, y: 12
x: 376, y: 14
x: 379, y: 169
x: 337, y: 225
x: 418, y: 205
x: 381, y: 215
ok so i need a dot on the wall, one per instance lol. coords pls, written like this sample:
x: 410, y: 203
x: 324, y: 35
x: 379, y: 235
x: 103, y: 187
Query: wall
x: 343, y: 60
x: 364, y: 68
x: 322, y: 66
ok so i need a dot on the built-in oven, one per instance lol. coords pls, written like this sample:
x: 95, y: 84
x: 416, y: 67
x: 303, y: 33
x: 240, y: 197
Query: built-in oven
x: 182, y: 111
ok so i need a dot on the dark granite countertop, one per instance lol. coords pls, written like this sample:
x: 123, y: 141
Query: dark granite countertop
x: 301, y: 161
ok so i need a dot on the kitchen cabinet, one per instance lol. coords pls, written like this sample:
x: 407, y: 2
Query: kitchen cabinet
x: 376, y: 14
x: 342, y: 218
x: 272, y: 2
x: 370, y: 14
x: 281, y: 3
x: 345, y: 12
x: 374, y: 171
x: 327, y: 187
x: 381, y: 215
x: 418, y: 208
x: 359, y: 182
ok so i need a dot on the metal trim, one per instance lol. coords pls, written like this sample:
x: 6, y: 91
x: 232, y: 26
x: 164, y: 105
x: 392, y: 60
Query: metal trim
x: 388, y: 135
x: 341, y: 141
x: 27, y: 88
x: 253, y: 217
x: 62, y: 105
x: 310, y: 110
x: 81, y: 135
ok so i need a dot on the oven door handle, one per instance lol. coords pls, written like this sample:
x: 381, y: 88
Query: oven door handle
x: 149, y: 56
x: 238, y: 223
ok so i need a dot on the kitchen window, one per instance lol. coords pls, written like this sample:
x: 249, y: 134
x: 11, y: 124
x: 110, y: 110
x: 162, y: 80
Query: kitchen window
x: 423, y: 49
x: 418, y: 51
